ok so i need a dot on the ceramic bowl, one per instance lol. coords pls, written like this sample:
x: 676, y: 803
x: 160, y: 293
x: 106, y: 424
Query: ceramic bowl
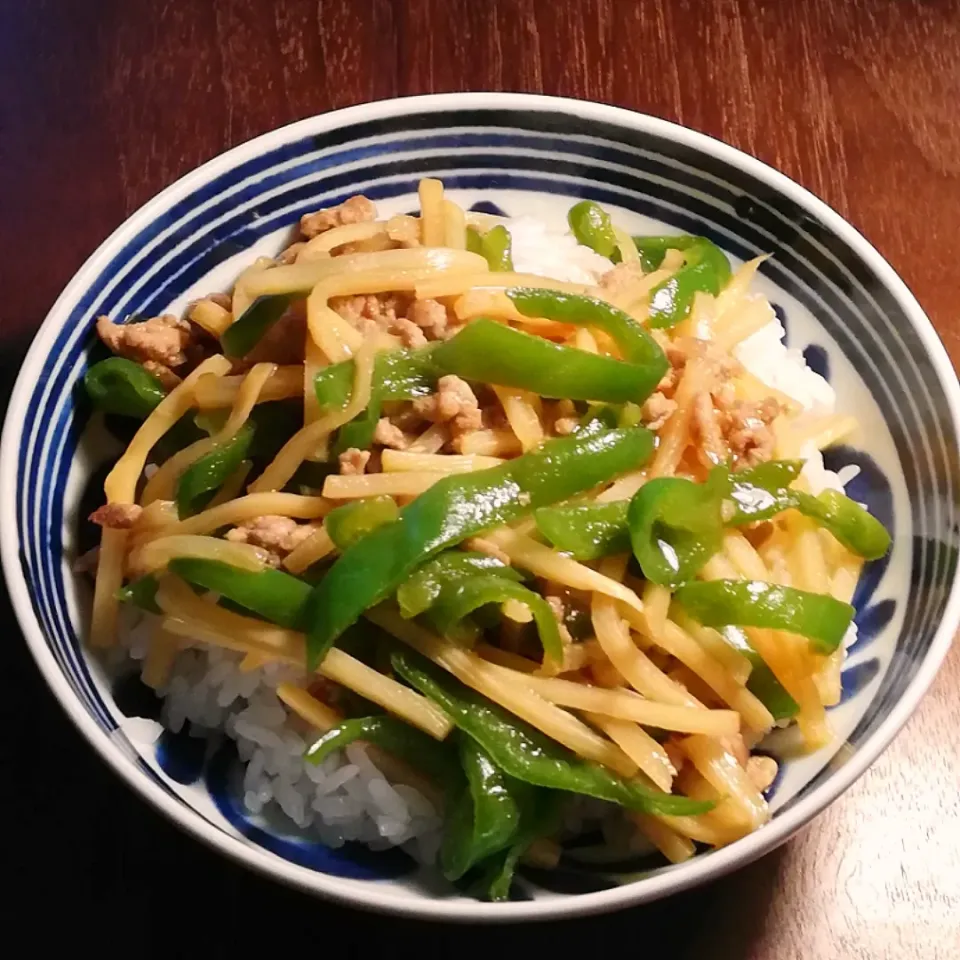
x: 842, y: 305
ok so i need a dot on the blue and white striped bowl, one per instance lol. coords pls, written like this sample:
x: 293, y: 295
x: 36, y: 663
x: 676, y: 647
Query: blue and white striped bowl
x: 843, y: 306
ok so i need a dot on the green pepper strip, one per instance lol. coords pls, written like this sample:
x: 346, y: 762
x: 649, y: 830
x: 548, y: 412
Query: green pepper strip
x: 141, y: 593
x: 762, y: 683
x: 635, y: 343
x: 458, y: 507
x: 424, y: 587
x: 197, y: 484
x: 762, y: 493
x: 527, y: 755
x: 541, y: 816
x: 470, y: 594
x: 436, y: 760
x: 398, y: 375
x: 706, y: 270
x: 486, y: 817
x: 754, y: 603
x: 676, y: 526
x: 652, y: 250
x: 121, y: 386
x: 272, y: 594
x: 491, y: 352
x: 248, y: 329
x: 494, y: 246
x: 587, y: 531
x: 356, y: 519
x: 591, y: 225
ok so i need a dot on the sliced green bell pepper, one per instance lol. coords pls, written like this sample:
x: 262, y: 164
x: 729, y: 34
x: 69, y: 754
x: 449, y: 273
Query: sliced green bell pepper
x: 540, y: 816
x: 706, y: 270
x: 633, y: 340
x: 494, y: 246
x: 272, y: 594
x: 198, y: 483
x: 468, y: 595
x: 526, y: 754
x: 141, y: 593
x: 120, y: 386
x: 675, y: 526
x: 587, y: 531
x: 458, y: 507
x: 762, y: 683
x: 356, y: 519
x: 491, y: 352
x: 591, y: 225
x: 763, y: 492
x: 485, y: 818
x: 820, y: 618
x: 438, y: 761
x: 252, y: 325
x: 423, y: 588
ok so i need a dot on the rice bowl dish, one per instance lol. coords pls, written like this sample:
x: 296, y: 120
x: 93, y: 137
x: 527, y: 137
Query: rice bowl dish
x: 641, y: 567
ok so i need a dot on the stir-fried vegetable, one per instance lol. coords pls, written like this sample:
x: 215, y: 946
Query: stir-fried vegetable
x: 197, y: 484
x: 527, y: 755
x: 676, y: 526
x: 587, y: 531
x: 272, y: 594
x: 470, y: 594
x: 120, y: 386
x: 705, y: 270
x: 820, y: 618
x: 142, y: 593
x: 761, y: 682
x: 636, y: 345
x: 490, y: 352
x: 591, y: 225
x: 486, y: 816
x: 436, y: 760
x: 494, y: 246
x: 356, y: 519
x: 421, y: 590
x: 458, y: 507
x: 248, y: 329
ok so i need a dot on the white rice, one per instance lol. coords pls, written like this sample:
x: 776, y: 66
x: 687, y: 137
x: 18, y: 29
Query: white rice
x: 347, y: 798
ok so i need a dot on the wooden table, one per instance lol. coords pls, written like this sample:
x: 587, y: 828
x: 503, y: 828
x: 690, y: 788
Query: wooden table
x: 102, y: 104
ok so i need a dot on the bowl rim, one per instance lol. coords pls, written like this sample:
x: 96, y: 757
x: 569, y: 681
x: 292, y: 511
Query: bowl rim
x: 374, y: 896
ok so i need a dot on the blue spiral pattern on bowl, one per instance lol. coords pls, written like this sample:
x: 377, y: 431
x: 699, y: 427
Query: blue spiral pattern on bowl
x: 543, y: 152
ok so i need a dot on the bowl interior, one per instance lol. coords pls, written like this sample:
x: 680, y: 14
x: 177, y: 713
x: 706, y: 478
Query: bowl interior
x: 840, y: 305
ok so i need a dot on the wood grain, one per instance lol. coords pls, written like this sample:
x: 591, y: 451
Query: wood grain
x: 102, y: 105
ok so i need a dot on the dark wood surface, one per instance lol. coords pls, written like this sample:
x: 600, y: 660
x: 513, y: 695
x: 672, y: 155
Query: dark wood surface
x: 104, y: 102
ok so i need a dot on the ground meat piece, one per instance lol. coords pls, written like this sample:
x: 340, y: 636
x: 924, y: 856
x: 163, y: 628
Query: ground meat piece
x: 289, y: 255
x: 564, y: 426
x: 430, y: 316
x: 404, y: 230
x: 275, y: 534
x: 357, y: 209
x: 164, y: 340
x: 164, y: 374
x: 615, y: 281
x: 390, y: 435
x: 353, y: 462
x: 371, y: 313
x: 410, y: 334
x: 116, y: 516
x: 657, y: 410
x: 748, y: 430
x: 762, y: 771
x: 454, y: 403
